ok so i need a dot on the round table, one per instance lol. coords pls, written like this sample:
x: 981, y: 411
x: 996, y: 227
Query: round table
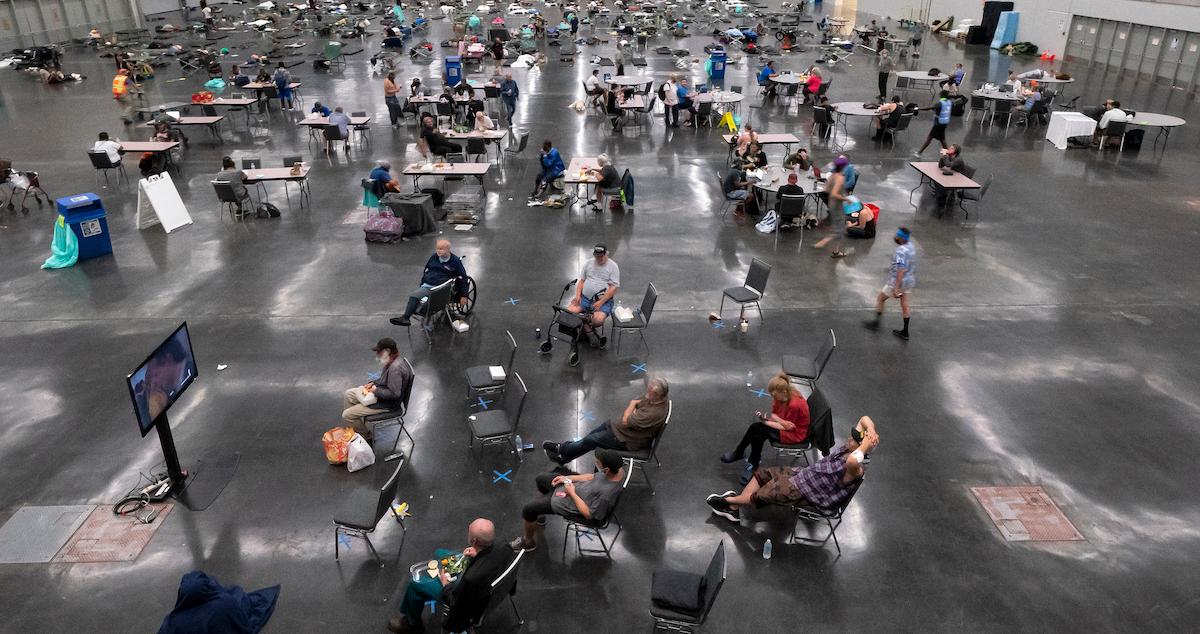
x: 629, y: 80
x: 996, y: 95
x: 922, y: 75
x: 775, y: 177
x: 785, y: 79
x: 1164, y: 123
x: 844, y: 109
x: 720, y: 98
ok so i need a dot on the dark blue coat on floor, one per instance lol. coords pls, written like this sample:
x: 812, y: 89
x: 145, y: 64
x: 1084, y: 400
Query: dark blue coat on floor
x: 205, y: 606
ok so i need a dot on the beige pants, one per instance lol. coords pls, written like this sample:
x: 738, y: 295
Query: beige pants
x: 354, y: 412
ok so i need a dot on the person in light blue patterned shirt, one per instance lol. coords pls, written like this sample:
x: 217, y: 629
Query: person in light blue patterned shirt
x: 901, y: 280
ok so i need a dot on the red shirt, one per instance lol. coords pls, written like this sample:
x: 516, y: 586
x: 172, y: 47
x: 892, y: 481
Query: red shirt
x: 794, y: 411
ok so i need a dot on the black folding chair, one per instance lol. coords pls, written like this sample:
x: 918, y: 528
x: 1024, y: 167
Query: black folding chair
x: 362, y: 522
x: 666, y: 582
x: 751, y: 291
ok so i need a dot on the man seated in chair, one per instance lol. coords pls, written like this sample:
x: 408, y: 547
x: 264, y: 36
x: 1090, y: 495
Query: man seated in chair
x: 823, y: 484
x: 641, y: 421
x: 381, y: 395
x: 436, y: 142
x: 442, y: 267
x: 1112, y: 112
x: 591, y: 501
x: 465, y: 598
x: 236, y: 178
x: 597, y: 284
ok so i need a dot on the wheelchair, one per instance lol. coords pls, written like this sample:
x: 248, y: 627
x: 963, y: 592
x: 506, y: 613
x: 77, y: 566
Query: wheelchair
x: 566, y: 326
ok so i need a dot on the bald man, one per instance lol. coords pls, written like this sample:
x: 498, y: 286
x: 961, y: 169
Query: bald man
x: 441, y: 267
x: 468, y: 596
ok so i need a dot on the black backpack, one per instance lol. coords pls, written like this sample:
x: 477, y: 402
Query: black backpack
x: 662, y: 92
x: 267, y: 210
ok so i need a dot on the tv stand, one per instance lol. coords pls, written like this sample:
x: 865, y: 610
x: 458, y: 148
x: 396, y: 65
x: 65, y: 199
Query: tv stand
x: 176, y: 473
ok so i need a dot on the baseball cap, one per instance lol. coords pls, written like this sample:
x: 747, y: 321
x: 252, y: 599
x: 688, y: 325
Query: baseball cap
x: 599, y: 249
x: 841, y: 161
x: 387, y: 343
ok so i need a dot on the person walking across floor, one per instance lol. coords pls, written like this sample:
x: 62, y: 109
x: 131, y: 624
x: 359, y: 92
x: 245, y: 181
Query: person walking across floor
x: 508, y: 94
x: 941, y: 119
x: 886, y: 66
x: 391, y: 97
x: 901, y: 280
x: 120, y: 92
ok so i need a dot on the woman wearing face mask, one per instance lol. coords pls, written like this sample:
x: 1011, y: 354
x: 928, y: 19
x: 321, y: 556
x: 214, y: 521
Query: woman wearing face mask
x: 384, y: 393
x: 441, y: 267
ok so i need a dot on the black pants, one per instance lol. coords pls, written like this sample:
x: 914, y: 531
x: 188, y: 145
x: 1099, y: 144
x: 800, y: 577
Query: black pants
x: 883, y: 82
x: 670, y: 115
x: 394, y: 109
x: 541, y: 506
x: 756, y: 434
x: 856, y: 232
x: 446, y: 148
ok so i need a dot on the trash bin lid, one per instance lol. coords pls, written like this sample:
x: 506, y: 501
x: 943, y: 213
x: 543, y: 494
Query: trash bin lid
x: 77, y: 200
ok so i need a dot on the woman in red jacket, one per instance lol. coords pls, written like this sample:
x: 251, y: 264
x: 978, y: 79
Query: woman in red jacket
x: 787, y: 423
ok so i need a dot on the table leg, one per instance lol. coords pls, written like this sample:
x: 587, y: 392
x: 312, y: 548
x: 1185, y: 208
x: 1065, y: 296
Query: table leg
x: 913, y: 190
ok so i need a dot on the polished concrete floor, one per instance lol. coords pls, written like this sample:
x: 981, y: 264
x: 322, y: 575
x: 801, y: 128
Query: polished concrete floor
x: 1050, y: 347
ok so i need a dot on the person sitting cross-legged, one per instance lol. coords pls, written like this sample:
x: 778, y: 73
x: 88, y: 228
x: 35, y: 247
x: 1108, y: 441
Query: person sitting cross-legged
x: 586, y: 497
x: 639, y: 424
x: 823, y: 484
x: 787, y: 422
x: 465, y: 598
x: 441, y: 267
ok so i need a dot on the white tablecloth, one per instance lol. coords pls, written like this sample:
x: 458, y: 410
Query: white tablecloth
x: 1064, y: 125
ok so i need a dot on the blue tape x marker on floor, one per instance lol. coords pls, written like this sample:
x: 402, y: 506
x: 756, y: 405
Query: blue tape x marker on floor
x: 512, y: 301
x: 482, y: 403
x: 638, y: 367
x: 501, y: 476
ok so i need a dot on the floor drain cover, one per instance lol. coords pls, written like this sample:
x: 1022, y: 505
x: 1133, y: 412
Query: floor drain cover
x: 1026, y: 514
x: 108, y: 537
x: 34, y: 533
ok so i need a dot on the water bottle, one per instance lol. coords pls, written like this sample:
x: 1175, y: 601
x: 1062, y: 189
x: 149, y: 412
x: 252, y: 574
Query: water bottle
x: 537, y: 333
x: 767, y: 549
x: 520, y: 445
x: 749, y: 378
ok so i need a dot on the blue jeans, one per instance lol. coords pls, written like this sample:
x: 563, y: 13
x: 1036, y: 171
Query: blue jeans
x: 418, y: 297
x: 511, y: 106
x: 586, y: 303
x: 601, y: 436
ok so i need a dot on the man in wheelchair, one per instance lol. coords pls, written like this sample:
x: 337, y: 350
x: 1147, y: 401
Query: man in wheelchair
x: 598, y: 283
x: 441, y: 267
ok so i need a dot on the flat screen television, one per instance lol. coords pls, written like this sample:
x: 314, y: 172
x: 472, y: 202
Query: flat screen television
x: 157, y: 383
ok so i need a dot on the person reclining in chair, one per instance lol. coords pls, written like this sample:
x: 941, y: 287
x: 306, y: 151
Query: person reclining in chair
x: 597, y: 284
x: 381, y: 395
x: 641, y: 421
x: 591, y: 501
x: 441, y: 267
x: 823, y: 484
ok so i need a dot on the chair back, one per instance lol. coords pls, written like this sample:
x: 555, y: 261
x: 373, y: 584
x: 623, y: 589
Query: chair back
x: 439, y: 298
x: 661, y: 430
x: 407, y: 389
x: 984, y: 185
x: 1115, y: 128
x: 100, y: 160
x: 503, y: 586
x: 209, y: 111
x: 522, y: 141
x: 791, y: 206
x: 387, y: 493
x: 1003, y: 106
x: 822, y: 115
x: 791, y: 89
x: 360, y: 113
x: 289, y: 161
x: 515, y: 418
x: 491, y: 92
x: 714, y: 578
x: 823, y: 89
x: 333, y: 133
x: 512, y: 352
x: 225, y: 192
x: 476, y: 146
x: 271, y: 92
x: 902, y: 83
x: 826, y: 351
x: 704, y: 109
x: 444, y: 109
x: 756, y: 278
x: 251, y: 163
x: 978, y: 103
x: 968, y: 171
x: 902, y: 123
x: 648, y: 302
x: 737, y: 89
x: 820, y: 415
x: 649, y: 107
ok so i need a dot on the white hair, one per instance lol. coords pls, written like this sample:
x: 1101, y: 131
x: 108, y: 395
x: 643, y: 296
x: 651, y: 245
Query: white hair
x: 602, y: 159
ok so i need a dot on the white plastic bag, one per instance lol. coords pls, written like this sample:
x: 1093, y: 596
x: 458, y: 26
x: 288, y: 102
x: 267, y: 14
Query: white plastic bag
x: 768, y: 223
x: 366, y: 398
x: 359, y: 454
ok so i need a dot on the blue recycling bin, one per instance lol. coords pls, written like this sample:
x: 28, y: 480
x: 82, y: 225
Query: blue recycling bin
x: 453, y: 70
x: 84, y: 213
x: 716, y: 66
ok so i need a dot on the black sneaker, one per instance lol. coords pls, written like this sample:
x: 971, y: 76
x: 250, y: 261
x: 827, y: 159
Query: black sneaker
x: 551, y: 449
x: 400, y: 321
x: 722, y: 508
x: 729, y: 457
x: 903, y: 334
x: 603, y: 342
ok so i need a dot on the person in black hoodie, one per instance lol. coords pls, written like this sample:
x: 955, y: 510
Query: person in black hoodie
x: 467, y: 597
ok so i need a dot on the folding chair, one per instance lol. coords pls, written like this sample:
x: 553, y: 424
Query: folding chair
x: 832, y: 518
x: 333, y: 133
x: 751, y: 291
x: 790, y: 208
x: 820, y: 416
x: 901, y: 125
x: 594, y: 526
x: 437, y: 305
x: 667, y: 582
x: 521, y: 142
x: 498, y: 426
x: 975, y: 195
x: 479, y: 377
x: 640, y: 319
x: 504, y: 586
x: 802, y: 369
x: 638, y: 459
x: 361, y: 523
x: 231, y: 201
x: 102, y: 163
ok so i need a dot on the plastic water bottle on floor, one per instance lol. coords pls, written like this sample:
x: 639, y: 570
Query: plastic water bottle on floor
x: 520, y: 445
x: 767, y: 549
x: 749, y: 378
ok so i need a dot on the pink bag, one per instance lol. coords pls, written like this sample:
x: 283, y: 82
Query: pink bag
x: 385, y: 227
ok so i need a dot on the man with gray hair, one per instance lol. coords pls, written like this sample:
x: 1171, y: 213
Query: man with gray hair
x: 442, y: 267
x: 639, y: 424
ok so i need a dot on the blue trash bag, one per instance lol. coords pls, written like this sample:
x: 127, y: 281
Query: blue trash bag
x: 216, y: 85
x: 64, y: 250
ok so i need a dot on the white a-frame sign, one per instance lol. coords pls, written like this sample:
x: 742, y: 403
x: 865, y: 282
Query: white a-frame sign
x: 159, y: 203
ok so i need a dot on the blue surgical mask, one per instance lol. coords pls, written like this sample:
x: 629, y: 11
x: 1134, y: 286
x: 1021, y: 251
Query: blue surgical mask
x: 443, y: 260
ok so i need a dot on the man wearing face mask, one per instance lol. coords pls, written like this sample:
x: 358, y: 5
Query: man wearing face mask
x: 441, y: 267
x: 384, y: 393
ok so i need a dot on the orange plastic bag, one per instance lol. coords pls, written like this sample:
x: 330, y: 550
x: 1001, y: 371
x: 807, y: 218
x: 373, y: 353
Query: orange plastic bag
x: 202, y: 97
x: 337, y: 444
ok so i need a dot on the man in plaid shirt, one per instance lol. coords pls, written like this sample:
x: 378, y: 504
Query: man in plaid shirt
x: 823, y: 484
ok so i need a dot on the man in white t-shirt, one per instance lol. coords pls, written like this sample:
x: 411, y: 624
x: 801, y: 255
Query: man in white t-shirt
x: 598, y: 283
x: 110, y: 147
x: 1112, y: 112
x: 593, y: 87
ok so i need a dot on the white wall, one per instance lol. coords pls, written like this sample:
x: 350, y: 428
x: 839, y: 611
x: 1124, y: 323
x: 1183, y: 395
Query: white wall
x: 1045, y: 23
x: 39, y: 22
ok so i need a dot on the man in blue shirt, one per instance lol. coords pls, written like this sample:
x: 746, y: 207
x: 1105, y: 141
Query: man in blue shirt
x: 685, y: 101
x: 508, y: 94
x: 320, y: 110
x: 552, y: 168
x: 901, y: 280
x: 441, y: 267
x: 339, y: 119
x: 764, y: 78
x: 941, y: 119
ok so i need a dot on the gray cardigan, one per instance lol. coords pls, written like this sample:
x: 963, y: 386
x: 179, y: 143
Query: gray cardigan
x: 389, y: 388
